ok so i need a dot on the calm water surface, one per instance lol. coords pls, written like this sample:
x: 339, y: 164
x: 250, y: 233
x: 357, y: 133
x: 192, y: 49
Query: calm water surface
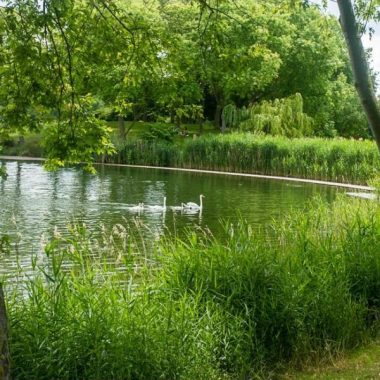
x: 33, y: 201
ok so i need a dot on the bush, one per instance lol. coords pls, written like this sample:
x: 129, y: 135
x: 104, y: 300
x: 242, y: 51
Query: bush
x: 160, y: 132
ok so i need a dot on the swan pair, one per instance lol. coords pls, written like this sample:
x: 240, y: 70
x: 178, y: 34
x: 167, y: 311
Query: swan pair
x: 142, y: 207
x: 190, y: 206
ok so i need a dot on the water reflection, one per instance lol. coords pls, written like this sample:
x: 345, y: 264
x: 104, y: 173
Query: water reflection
x: 38, y: 200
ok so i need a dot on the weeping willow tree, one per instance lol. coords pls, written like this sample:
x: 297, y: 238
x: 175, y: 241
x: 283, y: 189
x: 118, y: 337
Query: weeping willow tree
x: 284, y: 117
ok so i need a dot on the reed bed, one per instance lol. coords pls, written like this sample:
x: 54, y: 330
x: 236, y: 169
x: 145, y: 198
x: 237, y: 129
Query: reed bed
x: 314, y: 158
x: 246, y: 305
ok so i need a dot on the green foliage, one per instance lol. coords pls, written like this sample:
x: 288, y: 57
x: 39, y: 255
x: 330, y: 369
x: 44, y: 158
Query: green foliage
x: 44, y: 54
x: 5, y: 244
x: 205, y: 308
x: 281, y: 301
x: 24, y: 146
x: 347, y: 115
x: 375, y: 183
x: 339, y: 160
x: 282, y: 117
x: 239, y: 52
x: 154, y: 153
x: 161, y: 60
x: 160, y: 132
x: 78, y: 140
x: 87, y: 325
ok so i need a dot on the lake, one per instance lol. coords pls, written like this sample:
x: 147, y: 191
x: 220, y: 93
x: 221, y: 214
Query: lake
x: 33, y: 201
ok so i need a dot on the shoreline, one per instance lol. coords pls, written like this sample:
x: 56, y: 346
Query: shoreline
x: 215, y: 172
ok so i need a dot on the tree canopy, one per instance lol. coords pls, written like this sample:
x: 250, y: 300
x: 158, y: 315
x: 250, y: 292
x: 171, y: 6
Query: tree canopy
x: 68, y: 66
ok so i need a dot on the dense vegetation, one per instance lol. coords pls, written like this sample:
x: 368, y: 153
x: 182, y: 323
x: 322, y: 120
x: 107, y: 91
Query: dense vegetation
x: 244, y: 306
x: 155, y: 144
x: 314, y: 158
x: 171, y: 60
x: 200, y: 307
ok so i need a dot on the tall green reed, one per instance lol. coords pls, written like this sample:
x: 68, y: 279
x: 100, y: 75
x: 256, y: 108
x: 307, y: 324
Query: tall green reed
x: 244, y: 305
x: 315, y: 158
x: 80, y: 317
x: 309, y: 291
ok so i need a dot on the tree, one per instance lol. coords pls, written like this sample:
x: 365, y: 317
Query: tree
x: 296, y: 35
x: 360, y: 69
x: 317, y: 38
x: 43, y: 82
x: 363, y: 81
x: 237, y: 45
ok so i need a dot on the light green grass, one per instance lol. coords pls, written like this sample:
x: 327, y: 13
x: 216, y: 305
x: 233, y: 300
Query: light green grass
x: 313, y: 158
x: 360, y: 364
x: 340, y: 160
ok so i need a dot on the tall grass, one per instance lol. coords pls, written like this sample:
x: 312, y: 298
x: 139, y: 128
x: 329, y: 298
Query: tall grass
x: 79, y: 317
x: 311, y: 291
x: 315, y: 158
x: 242, y: 306
x: 142, y: 152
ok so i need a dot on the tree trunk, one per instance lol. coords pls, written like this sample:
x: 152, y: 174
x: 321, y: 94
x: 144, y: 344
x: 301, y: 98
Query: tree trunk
x: 201, y: 122
x: 4, y: 352
x: 223, y: 127
x: 177, y: 122
x: 217, y: 116
x: 363, y: 82
x: 121, y: 126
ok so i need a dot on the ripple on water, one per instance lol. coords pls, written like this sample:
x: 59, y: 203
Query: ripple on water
x: 33, y: 201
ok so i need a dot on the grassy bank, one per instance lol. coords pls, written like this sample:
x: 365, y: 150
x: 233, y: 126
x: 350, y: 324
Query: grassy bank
x: 340, y: 160
x: 244, y: 306
x: 361, y: 363
x: 335, y: 160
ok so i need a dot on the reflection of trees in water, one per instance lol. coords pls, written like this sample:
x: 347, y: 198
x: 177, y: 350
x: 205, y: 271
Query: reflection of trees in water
x: 3, y: 170
x: 18, y: 179
x: 41, y: 200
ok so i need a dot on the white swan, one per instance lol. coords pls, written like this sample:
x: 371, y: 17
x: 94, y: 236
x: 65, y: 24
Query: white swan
x: 194, y: 206
x: 157, y: 207
x: 177, y: 208
x: 139, y: 207
x: 363, y: 195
